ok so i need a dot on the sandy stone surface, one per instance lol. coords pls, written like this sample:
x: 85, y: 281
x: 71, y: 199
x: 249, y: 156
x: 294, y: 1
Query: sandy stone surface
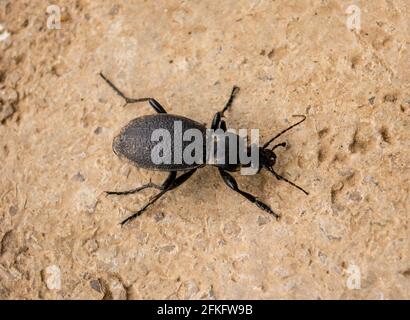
x: 59, y: 233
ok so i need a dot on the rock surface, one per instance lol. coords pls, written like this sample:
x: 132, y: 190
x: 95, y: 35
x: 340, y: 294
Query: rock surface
x: 59, y: 233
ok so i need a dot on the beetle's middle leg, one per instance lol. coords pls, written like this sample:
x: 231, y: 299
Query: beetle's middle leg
x: 231, y: 183
x: 154, y: 103
x: 217, y: 122
x: 174, y: 184
x: 167, y: 182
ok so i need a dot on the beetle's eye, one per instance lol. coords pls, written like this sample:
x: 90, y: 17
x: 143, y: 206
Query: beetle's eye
x: 269, y: 154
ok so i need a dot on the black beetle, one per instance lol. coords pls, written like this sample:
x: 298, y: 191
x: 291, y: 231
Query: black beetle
x: 135, y: 143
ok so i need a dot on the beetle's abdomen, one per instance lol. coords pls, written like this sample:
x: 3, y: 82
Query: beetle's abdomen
x: 149, y: 140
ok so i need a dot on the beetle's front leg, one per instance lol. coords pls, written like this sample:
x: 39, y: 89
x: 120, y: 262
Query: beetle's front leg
x: 231, y: 183
x: 154, y: 103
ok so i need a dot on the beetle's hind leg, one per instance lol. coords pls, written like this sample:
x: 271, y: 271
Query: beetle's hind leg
x: 154, y: 103
x: 167, y: 182
x: 172, y: 184
x: 132, y: 191
x: 231, y: 183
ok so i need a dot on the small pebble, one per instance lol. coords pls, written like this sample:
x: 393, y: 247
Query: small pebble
x: 13, y: 210
x: 262, y: 220
x: 159, y: 216
x: 79, y: 177
x: 96, y: 285
x: 98, y: 130
x: 52, y: 277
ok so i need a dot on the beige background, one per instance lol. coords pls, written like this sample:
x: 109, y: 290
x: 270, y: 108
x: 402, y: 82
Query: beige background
x: 59, y: 233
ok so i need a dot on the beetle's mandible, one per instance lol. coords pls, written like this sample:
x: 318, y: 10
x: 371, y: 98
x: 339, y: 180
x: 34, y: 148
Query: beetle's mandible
x: 135, y: 144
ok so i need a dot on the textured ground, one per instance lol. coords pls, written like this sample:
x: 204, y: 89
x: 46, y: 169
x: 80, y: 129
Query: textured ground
x: 59, y: 233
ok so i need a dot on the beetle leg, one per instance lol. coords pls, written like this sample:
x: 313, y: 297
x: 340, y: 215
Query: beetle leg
x: 231, y: 183
x: 154, y: 103
x: 139, y: 212
x: 182, y: 178
x: 132, y: 191
x: 217, y: 122
x: 172, y: 185
x: 167, y: 182
x: 235, y: 90
x: 222, y: 125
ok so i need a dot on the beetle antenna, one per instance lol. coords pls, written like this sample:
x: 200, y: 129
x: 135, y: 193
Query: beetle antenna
x: 283, y: 145
x: 279, y: 177
x: 287, y: 129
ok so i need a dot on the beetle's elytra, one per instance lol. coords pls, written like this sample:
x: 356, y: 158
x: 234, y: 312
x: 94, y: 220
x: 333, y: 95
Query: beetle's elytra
x: 134, y: 141
x: 135, y: 144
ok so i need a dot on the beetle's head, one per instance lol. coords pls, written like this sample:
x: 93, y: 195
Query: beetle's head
x: 267, y: 157
x: 268, y: 160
